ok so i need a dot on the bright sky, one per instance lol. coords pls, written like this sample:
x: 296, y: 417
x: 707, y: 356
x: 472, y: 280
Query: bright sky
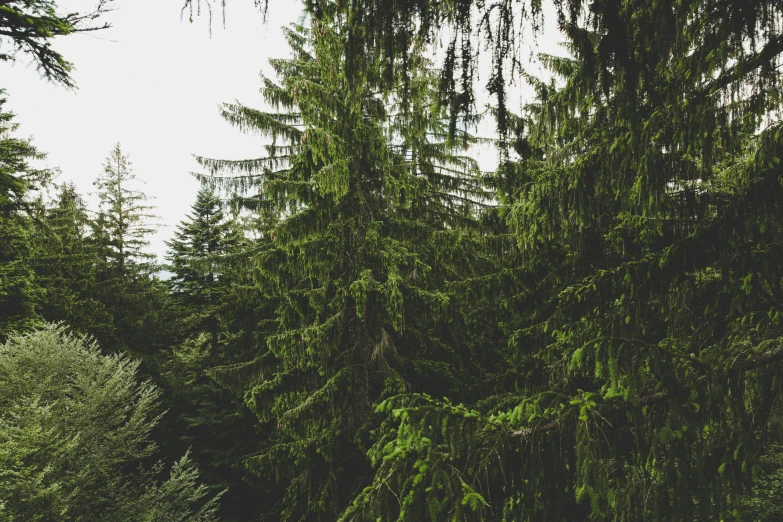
x: 152, y: 82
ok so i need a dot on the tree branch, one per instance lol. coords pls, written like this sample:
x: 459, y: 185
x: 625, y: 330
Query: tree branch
x: 764, y: 359
x: 773, y: 48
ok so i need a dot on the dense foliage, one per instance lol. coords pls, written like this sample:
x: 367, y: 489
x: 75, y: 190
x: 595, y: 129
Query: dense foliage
x: 18, y: 292
x: 73, y: 425
x: 363, y: 325
x: 368, y: 196
x: 68, y: 267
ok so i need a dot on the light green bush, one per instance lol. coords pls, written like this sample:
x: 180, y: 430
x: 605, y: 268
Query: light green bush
x: 74, y: 429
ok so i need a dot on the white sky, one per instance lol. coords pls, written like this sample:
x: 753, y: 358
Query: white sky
x: 153, y: 83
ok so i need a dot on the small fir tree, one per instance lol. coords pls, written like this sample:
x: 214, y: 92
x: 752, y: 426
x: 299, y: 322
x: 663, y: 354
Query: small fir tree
x: 67, y: 265
x: 199, y: 248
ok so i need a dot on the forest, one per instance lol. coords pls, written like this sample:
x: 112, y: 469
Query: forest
x: 366, y: 324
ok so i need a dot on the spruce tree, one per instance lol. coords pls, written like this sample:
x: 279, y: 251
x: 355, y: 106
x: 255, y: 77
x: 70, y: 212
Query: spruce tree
x: 645, y: 347
x: 18, y: 290
x: 126, y: 217
x: 370, y: 202
x: 206, y: 260
x: 67, y: 265
x: 195, y: 254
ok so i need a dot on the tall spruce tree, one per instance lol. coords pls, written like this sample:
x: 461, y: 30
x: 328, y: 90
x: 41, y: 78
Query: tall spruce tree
x: 646, y: 199
x: 126, y: 217
x: 371, y: 203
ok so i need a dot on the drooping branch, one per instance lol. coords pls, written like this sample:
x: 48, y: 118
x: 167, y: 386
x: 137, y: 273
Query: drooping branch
x: 194, y: 6
x: 764, y: 359
x: 29, y: 27
x: 772, y: 49
x: 540, y: 428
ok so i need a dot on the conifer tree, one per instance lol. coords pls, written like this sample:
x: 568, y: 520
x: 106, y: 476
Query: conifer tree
x: 645, y: 202
x: 125, y: 214
x: 18, y: 290
x: 195, y: 253
x: 75, y: 427
x: 370, y: 202
x: 67, y: 265
x: 207, y: 258
x: 128, y: 286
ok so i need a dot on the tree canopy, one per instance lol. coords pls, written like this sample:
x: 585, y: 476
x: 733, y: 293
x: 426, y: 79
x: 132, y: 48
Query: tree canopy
x: 380, y: 330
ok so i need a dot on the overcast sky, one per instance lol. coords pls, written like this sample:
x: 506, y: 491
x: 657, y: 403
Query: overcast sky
x: 153, y: 83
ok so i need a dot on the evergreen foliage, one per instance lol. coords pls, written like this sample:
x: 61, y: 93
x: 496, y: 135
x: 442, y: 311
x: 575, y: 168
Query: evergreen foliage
x: 28, y: 27
x: 18, y: 290
x: 73, y: 423
x: 645, y: 205
x: 370, y: 200
x: 592, y: 332
x: 67, y: 266
x: 207, y: 259
x: 195, y: 253
x: 127, y: 285
x: 125, y: 216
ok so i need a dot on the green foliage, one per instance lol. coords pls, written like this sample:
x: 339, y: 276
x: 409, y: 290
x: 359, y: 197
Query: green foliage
x: 598, y: 339
x: 762, y: 502
x: 73, y: 424
x: 127, y: 285
x: 17, y: 176
x: 28, y: 27
x: 67, y: 267
x: 125, y: 217
x: 645, y: 203
x: 367, y: 195
x: 199, y: 246
x: 208, y: 259
x: 18, y: 290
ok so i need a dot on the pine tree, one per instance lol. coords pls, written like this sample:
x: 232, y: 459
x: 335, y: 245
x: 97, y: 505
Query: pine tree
x: 18, y: 290
x: 67, y: 265
x: 641, y: 302
x: 370, y: 203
